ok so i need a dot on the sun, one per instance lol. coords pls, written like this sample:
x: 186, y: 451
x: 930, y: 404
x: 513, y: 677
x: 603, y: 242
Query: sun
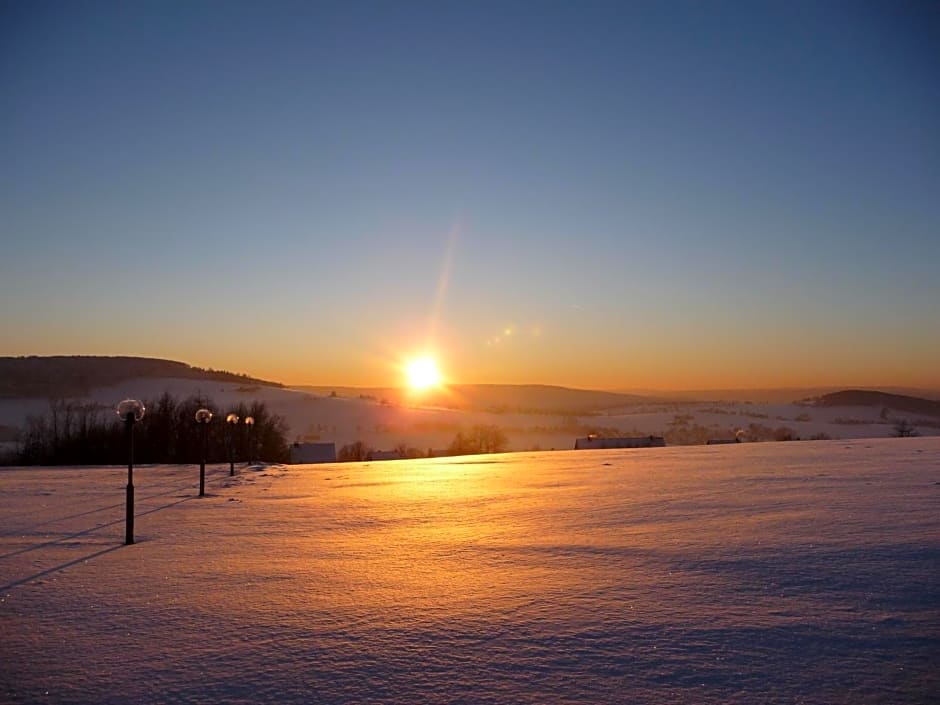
x: 422, y: 373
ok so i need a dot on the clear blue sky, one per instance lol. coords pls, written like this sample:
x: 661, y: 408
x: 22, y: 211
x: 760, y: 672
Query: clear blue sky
x: 666, y: 194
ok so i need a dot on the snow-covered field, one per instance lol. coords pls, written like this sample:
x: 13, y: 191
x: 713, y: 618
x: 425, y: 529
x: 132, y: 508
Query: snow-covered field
x: 754, y: 573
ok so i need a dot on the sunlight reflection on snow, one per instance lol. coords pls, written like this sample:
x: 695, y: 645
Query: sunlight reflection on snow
x: 799, y: 572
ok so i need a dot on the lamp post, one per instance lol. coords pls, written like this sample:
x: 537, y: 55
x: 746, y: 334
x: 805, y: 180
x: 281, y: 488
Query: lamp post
x: 203, y: 417
x: 131, y: 411
x: 232, y: 421
x: 249, y: 424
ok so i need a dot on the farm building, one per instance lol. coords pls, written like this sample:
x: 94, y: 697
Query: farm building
x: 594, y: 442
x: 313, y: 453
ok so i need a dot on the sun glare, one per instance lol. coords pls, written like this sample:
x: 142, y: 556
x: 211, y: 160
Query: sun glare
x: 422, y: 374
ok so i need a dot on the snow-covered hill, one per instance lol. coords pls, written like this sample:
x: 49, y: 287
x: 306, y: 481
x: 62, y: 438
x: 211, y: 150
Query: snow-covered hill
x: 346, y: 419
x: 770, y: 573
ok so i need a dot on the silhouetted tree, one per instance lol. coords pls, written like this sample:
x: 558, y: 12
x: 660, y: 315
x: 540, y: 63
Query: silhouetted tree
x: 71, y: 433
x: 406, y: 451
x: 903, y: 429
x: 479, y: 439
x: 353, y: 452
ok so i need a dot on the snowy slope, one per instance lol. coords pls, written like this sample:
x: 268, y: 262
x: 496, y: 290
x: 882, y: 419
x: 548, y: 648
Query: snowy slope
x: 770, y: 573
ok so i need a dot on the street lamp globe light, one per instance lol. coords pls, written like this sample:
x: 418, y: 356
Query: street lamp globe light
x: 203, y: 417
x: 131, y: 408
x: 131, y: 411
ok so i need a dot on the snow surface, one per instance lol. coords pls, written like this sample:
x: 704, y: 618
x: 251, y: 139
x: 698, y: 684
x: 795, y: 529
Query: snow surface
x: 757, y: 573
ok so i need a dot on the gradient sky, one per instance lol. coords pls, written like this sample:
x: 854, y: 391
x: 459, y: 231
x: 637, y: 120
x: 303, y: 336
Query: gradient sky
x: 611, y: 195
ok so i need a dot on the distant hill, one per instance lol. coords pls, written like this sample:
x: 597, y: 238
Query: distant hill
x: 539, y: 397
x: 770, y: 395
x: 895, y: 402
x: 519, y: 398
x: 76, y: 375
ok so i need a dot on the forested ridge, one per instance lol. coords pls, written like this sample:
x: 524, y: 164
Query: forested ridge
x: 71, y: 376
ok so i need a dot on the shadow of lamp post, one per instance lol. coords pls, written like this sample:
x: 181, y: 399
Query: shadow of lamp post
x: 232, y: 421
x: 131, y: 411
x: 203, y: 417
x: 249, y: 425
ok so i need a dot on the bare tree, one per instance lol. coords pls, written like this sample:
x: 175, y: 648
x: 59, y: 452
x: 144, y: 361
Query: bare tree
x: 479, y: 439
x: 353, y: 452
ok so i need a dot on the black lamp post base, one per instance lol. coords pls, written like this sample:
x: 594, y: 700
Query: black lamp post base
x: 129, y: 521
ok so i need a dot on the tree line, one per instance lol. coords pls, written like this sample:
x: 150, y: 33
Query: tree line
x: 476, y: 440
x: 81, y: 433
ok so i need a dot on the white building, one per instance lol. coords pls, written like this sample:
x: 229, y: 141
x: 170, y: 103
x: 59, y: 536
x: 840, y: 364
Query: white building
x: 313, y: 453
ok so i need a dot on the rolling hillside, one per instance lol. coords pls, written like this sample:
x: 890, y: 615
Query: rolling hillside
x: 517, y: 398
x: 894, y: 402
x: 77, y: 375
